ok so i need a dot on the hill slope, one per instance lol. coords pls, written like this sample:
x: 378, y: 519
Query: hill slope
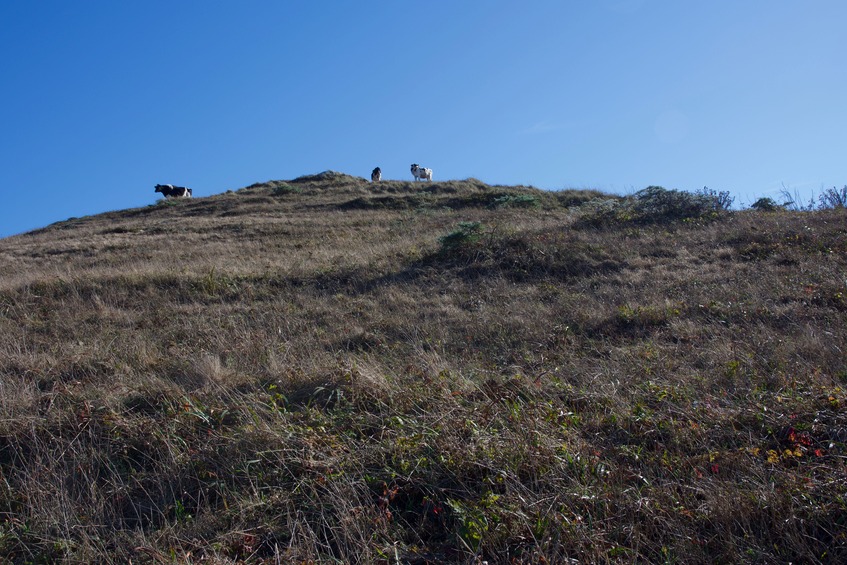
x: 322, y: 370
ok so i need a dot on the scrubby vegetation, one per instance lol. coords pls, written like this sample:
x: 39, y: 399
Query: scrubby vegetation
x: 327, y: 371
x: 766, y: 204
x: 654, y: 204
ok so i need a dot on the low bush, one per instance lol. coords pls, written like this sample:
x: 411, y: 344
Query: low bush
x: 283, y: 189
x: 766, y: 205
x: 600, y: 212
x: 721, y: 199
x: 515, y: 201
x: 654, y: 204
x: 465, y: 234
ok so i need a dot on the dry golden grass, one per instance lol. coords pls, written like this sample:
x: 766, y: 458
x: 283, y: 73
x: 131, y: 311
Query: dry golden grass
x: 308, y: 371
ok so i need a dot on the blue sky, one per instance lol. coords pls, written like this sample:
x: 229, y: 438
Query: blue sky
x: 101, y: 99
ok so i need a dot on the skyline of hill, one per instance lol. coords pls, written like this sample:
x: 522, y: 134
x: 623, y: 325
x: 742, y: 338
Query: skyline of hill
x: 325, y: 370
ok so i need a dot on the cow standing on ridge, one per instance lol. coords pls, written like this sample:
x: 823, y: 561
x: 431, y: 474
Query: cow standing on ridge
x: 421, y: 173
x: 171, y: 191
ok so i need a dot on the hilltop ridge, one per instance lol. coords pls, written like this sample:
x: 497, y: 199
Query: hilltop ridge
x: 326, y: 370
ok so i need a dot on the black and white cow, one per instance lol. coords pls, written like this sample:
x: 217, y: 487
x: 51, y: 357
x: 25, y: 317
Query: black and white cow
x: 376, y: 175
x: 171, y: 191
x: 421, y: 173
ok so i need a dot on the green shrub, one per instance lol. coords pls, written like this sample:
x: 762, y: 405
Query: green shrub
x: 466, y: 233
x: 601, y: 212
x: 515, y: 201
x: 766, y: 205
x: 654, y: 204
x: 282, y: 189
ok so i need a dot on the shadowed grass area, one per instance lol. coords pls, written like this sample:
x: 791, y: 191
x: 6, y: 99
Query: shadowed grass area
x: 330, y: 370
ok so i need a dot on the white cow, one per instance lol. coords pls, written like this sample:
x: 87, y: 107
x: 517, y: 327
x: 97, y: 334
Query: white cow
x: 421, y: 173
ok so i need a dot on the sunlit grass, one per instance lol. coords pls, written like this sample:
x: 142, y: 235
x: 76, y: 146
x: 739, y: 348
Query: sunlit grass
x: 329, y: 370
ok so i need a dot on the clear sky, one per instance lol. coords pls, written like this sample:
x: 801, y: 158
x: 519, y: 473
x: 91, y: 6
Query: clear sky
x: 102, y: 99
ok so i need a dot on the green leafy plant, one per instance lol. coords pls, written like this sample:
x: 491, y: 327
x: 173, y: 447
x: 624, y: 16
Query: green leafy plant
x: 466, y: 233
x: 472, y: 522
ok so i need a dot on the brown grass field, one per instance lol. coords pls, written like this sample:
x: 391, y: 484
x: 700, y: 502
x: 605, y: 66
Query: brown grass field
x: 326, y: 371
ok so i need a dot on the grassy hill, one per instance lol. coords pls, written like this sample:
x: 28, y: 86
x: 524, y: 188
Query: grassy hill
x: 325, y: 371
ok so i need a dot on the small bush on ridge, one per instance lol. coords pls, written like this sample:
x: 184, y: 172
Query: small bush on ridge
x: 284, y: 188
x: 766, y: 205
x: 654, y: 204
x: 722, y: 200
